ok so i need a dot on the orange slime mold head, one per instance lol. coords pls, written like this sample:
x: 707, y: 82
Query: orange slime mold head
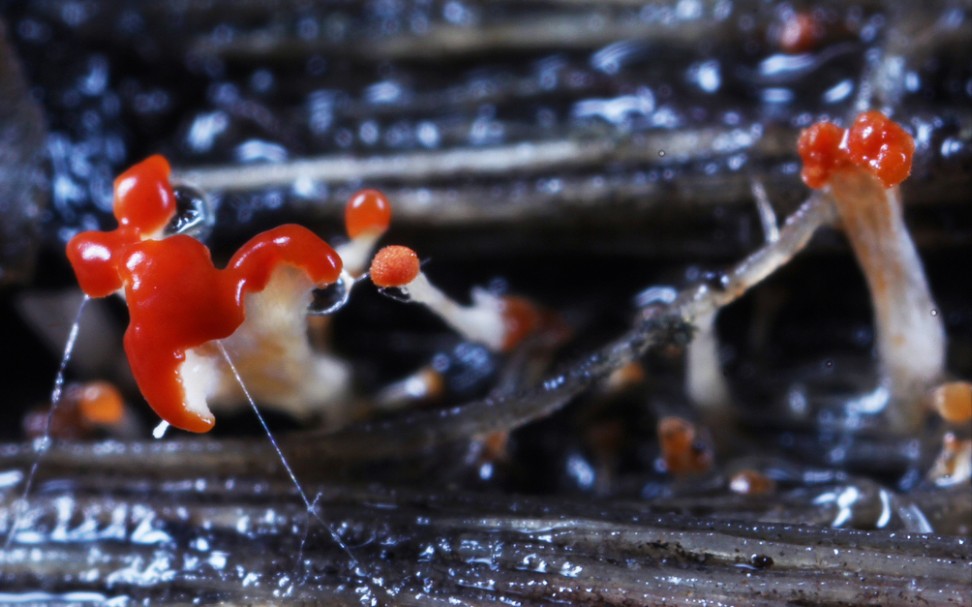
x: 367, y: 211
x: 874, y: 144
x: 394, y: 266
x: 882, y: 146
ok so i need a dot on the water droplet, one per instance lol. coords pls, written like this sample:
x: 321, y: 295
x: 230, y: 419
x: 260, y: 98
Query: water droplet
x: 331, y: 298
x: 159, y: 430
x: 194, y: 214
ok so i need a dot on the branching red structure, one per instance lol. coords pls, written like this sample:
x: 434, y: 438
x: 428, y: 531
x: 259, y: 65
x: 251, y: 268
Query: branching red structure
x: 178, y: 300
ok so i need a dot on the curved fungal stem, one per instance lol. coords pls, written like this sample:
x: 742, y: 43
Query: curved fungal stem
x: 499, y: 323
x: 705, y: 384
x: 794, y: 236
x: 860, y: 170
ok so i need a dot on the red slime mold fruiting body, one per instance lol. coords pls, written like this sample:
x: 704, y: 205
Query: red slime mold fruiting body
x: 144, y: 204
x: 367, y: 211
x: 880, y: 144
x: 819, y: 147
x: 394, y: 266
x: 177, y: 298
x: 366, y: 218
x: 874, y: 143
x: 100, y: 403
x: 500, y: 323
x: 860, y: 170
x: 253, y: 264
x: 93, y: 255
x: 144, y: 200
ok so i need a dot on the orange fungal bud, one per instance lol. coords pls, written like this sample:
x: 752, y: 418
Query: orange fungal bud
x: 101, y: 403
x: 394, y: 266
x: 879, y: 144
x: 683, y: 451
x: 953, y: 401
x: 367, y: 211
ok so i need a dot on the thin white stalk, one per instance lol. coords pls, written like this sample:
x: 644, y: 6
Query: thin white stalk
x: 481, y: 322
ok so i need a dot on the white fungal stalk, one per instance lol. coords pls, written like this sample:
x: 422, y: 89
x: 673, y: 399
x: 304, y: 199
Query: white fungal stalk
x: 704, y: 381
x: 861, y: 168
x: 482, y: 322
x: 272, y: 353
x: 909, y: 332
x: 499, y: 323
